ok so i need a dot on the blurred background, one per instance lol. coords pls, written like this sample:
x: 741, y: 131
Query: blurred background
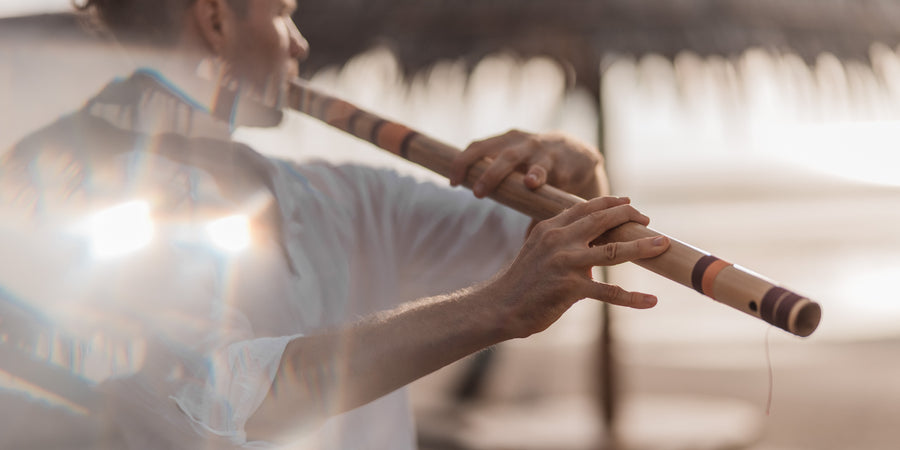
x: 762, y: 131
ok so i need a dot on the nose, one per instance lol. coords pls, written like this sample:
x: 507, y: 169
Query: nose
x: 299, y: 46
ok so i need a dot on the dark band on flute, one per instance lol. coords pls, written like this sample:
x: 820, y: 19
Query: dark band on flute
x: 736, y: 288
x: 322, y: 110
x: 783, y: 311
x: 373, y: 137
x: 705, y: 272
x: 391, y: 136
x: 404, y: 147
x: 384, y: 133
x: 776, y: 306
x: 768, y: 303
x: 351, y: 122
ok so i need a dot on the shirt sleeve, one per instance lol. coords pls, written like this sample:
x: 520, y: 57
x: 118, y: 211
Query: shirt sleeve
x: 435, y: 238
x: 188, y: 396
x: 241, y: 375
x: 450, y: 239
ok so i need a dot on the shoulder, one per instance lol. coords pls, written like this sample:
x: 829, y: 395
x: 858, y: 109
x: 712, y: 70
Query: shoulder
x: 77, y: 135
x: 345, y: 179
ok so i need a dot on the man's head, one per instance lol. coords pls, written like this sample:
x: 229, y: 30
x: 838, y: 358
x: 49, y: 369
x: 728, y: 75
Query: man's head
x: 256, y: 40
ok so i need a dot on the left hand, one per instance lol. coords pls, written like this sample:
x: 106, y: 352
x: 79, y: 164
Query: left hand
x: 551, y: 158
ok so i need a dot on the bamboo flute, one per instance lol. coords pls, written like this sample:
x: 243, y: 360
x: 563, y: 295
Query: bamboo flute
x: 724, y: 282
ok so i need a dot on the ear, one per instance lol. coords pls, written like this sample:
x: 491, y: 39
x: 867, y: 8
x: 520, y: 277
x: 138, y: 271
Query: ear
x: 209, y: 17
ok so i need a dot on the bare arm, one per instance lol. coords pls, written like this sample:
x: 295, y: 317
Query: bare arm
x: 334, y: 372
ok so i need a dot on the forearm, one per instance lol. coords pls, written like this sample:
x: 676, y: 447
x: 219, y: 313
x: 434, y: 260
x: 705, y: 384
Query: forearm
x: 331, y: 373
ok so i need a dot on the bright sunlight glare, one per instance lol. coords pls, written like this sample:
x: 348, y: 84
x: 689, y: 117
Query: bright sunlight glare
x: 230, y: 233
x: 120, y: 229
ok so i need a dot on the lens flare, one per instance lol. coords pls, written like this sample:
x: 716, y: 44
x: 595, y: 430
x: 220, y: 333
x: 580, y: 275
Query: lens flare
x: 120, y: 229
x: 230, y: 233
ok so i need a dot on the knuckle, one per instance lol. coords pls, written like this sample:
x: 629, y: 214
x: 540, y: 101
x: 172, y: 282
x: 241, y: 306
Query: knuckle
x: 513, y: 134
x: 572, y: 212
x: 598, y: 215
x: 510, y: 157
x: 491, y: 176
x: 602, y: 202
x: 583, y: 207
x: 562, y: 179
x: 611, y: 292
x: 475, y: 145
x: 561, y: 259
x: 611, y: 251
x: 600, y: 219
x: 468, y: 155
x: 553, y: 236
x: 541, y: 228
x: 591, y: 207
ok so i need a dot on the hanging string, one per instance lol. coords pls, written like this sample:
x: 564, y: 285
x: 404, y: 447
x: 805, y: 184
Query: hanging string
x: 771, y: 373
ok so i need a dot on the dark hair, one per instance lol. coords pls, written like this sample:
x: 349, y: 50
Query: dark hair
x: 149, y: 21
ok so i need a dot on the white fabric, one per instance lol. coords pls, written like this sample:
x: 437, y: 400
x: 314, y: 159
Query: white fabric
x: 213, y: 326
x: 362, y: 241
x: 388, y: 239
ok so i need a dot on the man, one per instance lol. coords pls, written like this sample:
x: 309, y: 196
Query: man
x: 353, y: 282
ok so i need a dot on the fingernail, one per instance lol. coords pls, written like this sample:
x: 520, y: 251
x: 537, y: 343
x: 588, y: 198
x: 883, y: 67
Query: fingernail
x: 648, y: 300
x: 532, y: 177
x: 659, y: 241
x: 478, y: 189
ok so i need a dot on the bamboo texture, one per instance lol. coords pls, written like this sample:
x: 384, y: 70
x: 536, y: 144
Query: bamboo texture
x: 724, y: 282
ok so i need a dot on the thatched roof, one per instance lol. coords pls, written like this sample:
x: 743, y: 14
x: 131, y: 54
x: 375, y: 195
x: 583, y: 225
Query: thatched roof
x: 582, y: 33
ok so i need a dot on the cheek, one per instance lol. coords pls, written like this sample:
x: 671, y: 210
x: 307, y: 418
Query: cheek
x: 264, y: 49
x: 275, y: 40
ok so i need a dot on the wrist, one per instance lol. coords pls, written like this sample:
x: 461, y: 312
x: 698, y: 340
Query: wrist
x: 487, y: 314
x: 500, y: 312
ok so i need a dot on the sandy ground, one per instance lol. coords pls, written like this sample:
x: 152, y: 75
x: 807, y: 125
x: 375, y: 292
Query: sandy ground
x: 825, y: 396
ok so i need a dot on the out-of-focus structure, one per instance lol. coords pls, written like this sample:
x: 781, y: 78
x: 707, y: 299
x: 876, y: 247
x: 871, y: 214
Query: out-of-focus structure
x: 707, y: 111
x: 584, y: 35
x: 588, y: 37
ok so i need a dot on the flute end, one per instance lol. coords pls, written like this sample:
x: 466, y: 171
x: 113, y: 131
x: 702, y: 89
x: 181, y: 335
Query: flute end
x: 807, y: 319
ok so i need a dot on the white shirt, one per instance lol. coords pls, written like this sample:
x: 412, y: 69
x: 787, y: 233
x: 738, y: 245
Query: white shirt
x: 210, y: 326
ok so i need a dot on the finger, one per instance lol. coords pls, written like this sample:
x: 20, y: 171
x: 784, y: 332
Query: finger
x: 595, y: 223
x: 462, y: 161
x: 618, y: 252
x: 475, y: 152
x: 615, y: 295
x: 537, y: 172
x: 504, y: 164
x: 582, y: 209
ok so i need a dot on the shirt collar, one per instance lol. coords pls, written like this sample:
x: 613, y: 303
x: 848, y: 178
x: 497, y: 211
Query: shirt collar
x: 149, y: 103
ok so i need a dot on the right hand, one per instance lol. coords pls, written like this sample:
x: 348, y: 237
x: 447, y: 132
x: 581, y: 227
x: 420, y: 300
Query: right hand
x: 553, y: 268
